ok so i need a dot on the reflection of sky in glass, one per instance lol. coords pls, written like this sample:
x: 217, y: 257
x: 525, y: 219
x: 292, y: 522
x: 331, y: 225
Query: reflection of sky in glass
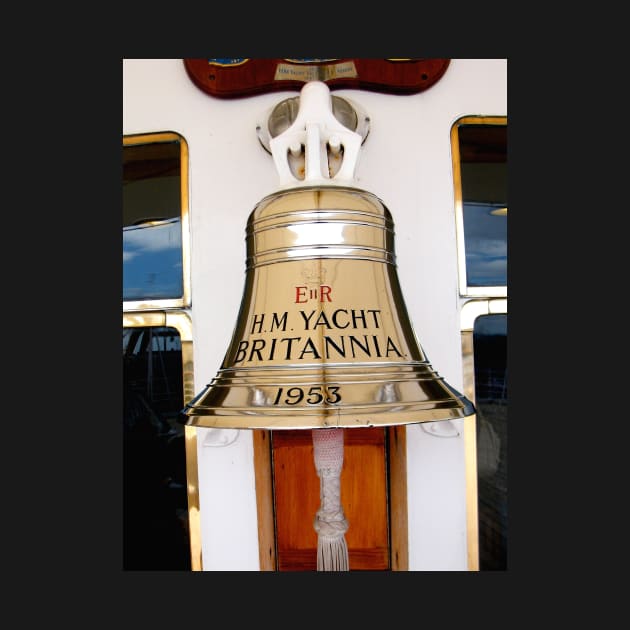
x: 485, y: 236
x: 152, y: 261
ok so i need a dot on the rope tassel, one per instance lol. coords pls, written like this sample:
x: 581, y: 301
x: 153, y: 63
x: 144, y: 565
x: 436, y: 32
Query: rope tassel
x: 330, y: 522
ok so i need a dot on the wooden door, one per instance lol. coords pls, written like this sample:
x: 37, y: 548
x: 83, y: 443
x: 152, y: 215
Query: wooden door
x: 364, y: 498
x: 373, y: 494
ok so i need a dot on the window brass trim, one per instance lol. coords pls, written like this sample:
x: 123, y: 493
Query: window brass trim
x: 470, y: 311
x: 180, y: 320
x: 185, y: 300
x: 464, y: 289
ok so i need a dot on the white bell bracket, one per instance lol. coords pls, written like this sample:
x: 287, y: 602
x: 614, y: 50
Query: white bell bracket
x: 314, y: 138
x: 220, y: 437
x: 443, y: 429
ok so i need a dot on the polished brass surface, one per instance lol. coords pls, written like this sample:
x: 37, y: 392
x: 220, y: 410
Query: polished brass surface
x: 323, y: 338
x: 470, y: 455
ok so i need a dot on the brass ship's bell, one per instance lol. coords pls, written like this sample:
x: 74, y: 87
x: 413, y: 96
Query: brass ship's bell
x: 323, y: 337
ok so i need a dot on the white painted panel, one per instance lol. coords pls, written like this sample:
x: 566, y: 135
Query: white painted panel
x: 406, y: 161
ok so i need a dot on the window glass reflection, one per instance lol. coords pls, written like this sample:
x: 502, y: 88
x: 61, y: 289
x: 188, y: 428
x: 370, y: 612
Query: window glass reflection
x: 152, y: 260
x: 485, y: 229
x: 490, y: 361
x: 155, y: 500
x: 152, y: 221
x: 483, y: 169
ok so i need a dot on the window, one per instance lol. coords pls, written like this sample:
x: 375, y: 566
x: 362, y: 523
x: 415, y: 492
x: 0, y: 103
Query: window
x: 161, y: 526
x: 154, y: 460
x: 484, y: 345
x: 160, y: 489
x: 479, y: 148
x: 156, y: 248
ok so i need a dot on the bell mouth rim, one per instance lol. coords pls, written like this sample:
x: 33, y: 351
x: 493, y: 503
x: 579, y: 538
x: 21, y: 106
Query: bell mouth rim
x: 396, y: 393
x: 301, y: 419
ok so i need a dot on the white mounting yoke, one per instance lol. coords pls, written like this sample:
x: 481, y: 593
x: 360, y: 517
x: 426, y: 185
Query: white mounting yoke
x: 317, y: 149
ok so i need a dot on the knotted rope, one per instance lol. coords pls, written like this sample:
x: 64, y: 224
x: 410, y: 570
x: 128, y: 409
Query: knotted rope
x: 330, y: 522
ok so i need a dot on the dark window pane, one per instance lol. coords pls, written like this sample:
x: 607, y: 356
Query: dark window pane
x: 152, y: 231
x: 490, y: 352
x: 483, y: 164
x: 155, y: 488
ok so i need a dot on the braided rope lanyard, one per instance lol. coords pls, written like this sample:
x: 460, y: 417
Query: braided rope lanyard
x: 330, y: 522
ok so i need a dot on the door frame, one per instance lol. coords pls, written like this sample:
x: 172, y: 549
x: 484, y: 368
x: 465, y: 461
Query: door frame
x: 397, y: 499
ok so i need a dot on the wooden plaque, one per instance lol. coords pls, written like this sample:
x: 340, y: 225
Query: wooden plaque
x: 233, y: 78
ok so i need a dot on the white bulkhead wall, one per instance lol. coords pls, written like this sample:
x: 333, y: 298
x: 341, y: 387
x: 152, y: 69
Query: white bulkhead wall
x: 406, y: 161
